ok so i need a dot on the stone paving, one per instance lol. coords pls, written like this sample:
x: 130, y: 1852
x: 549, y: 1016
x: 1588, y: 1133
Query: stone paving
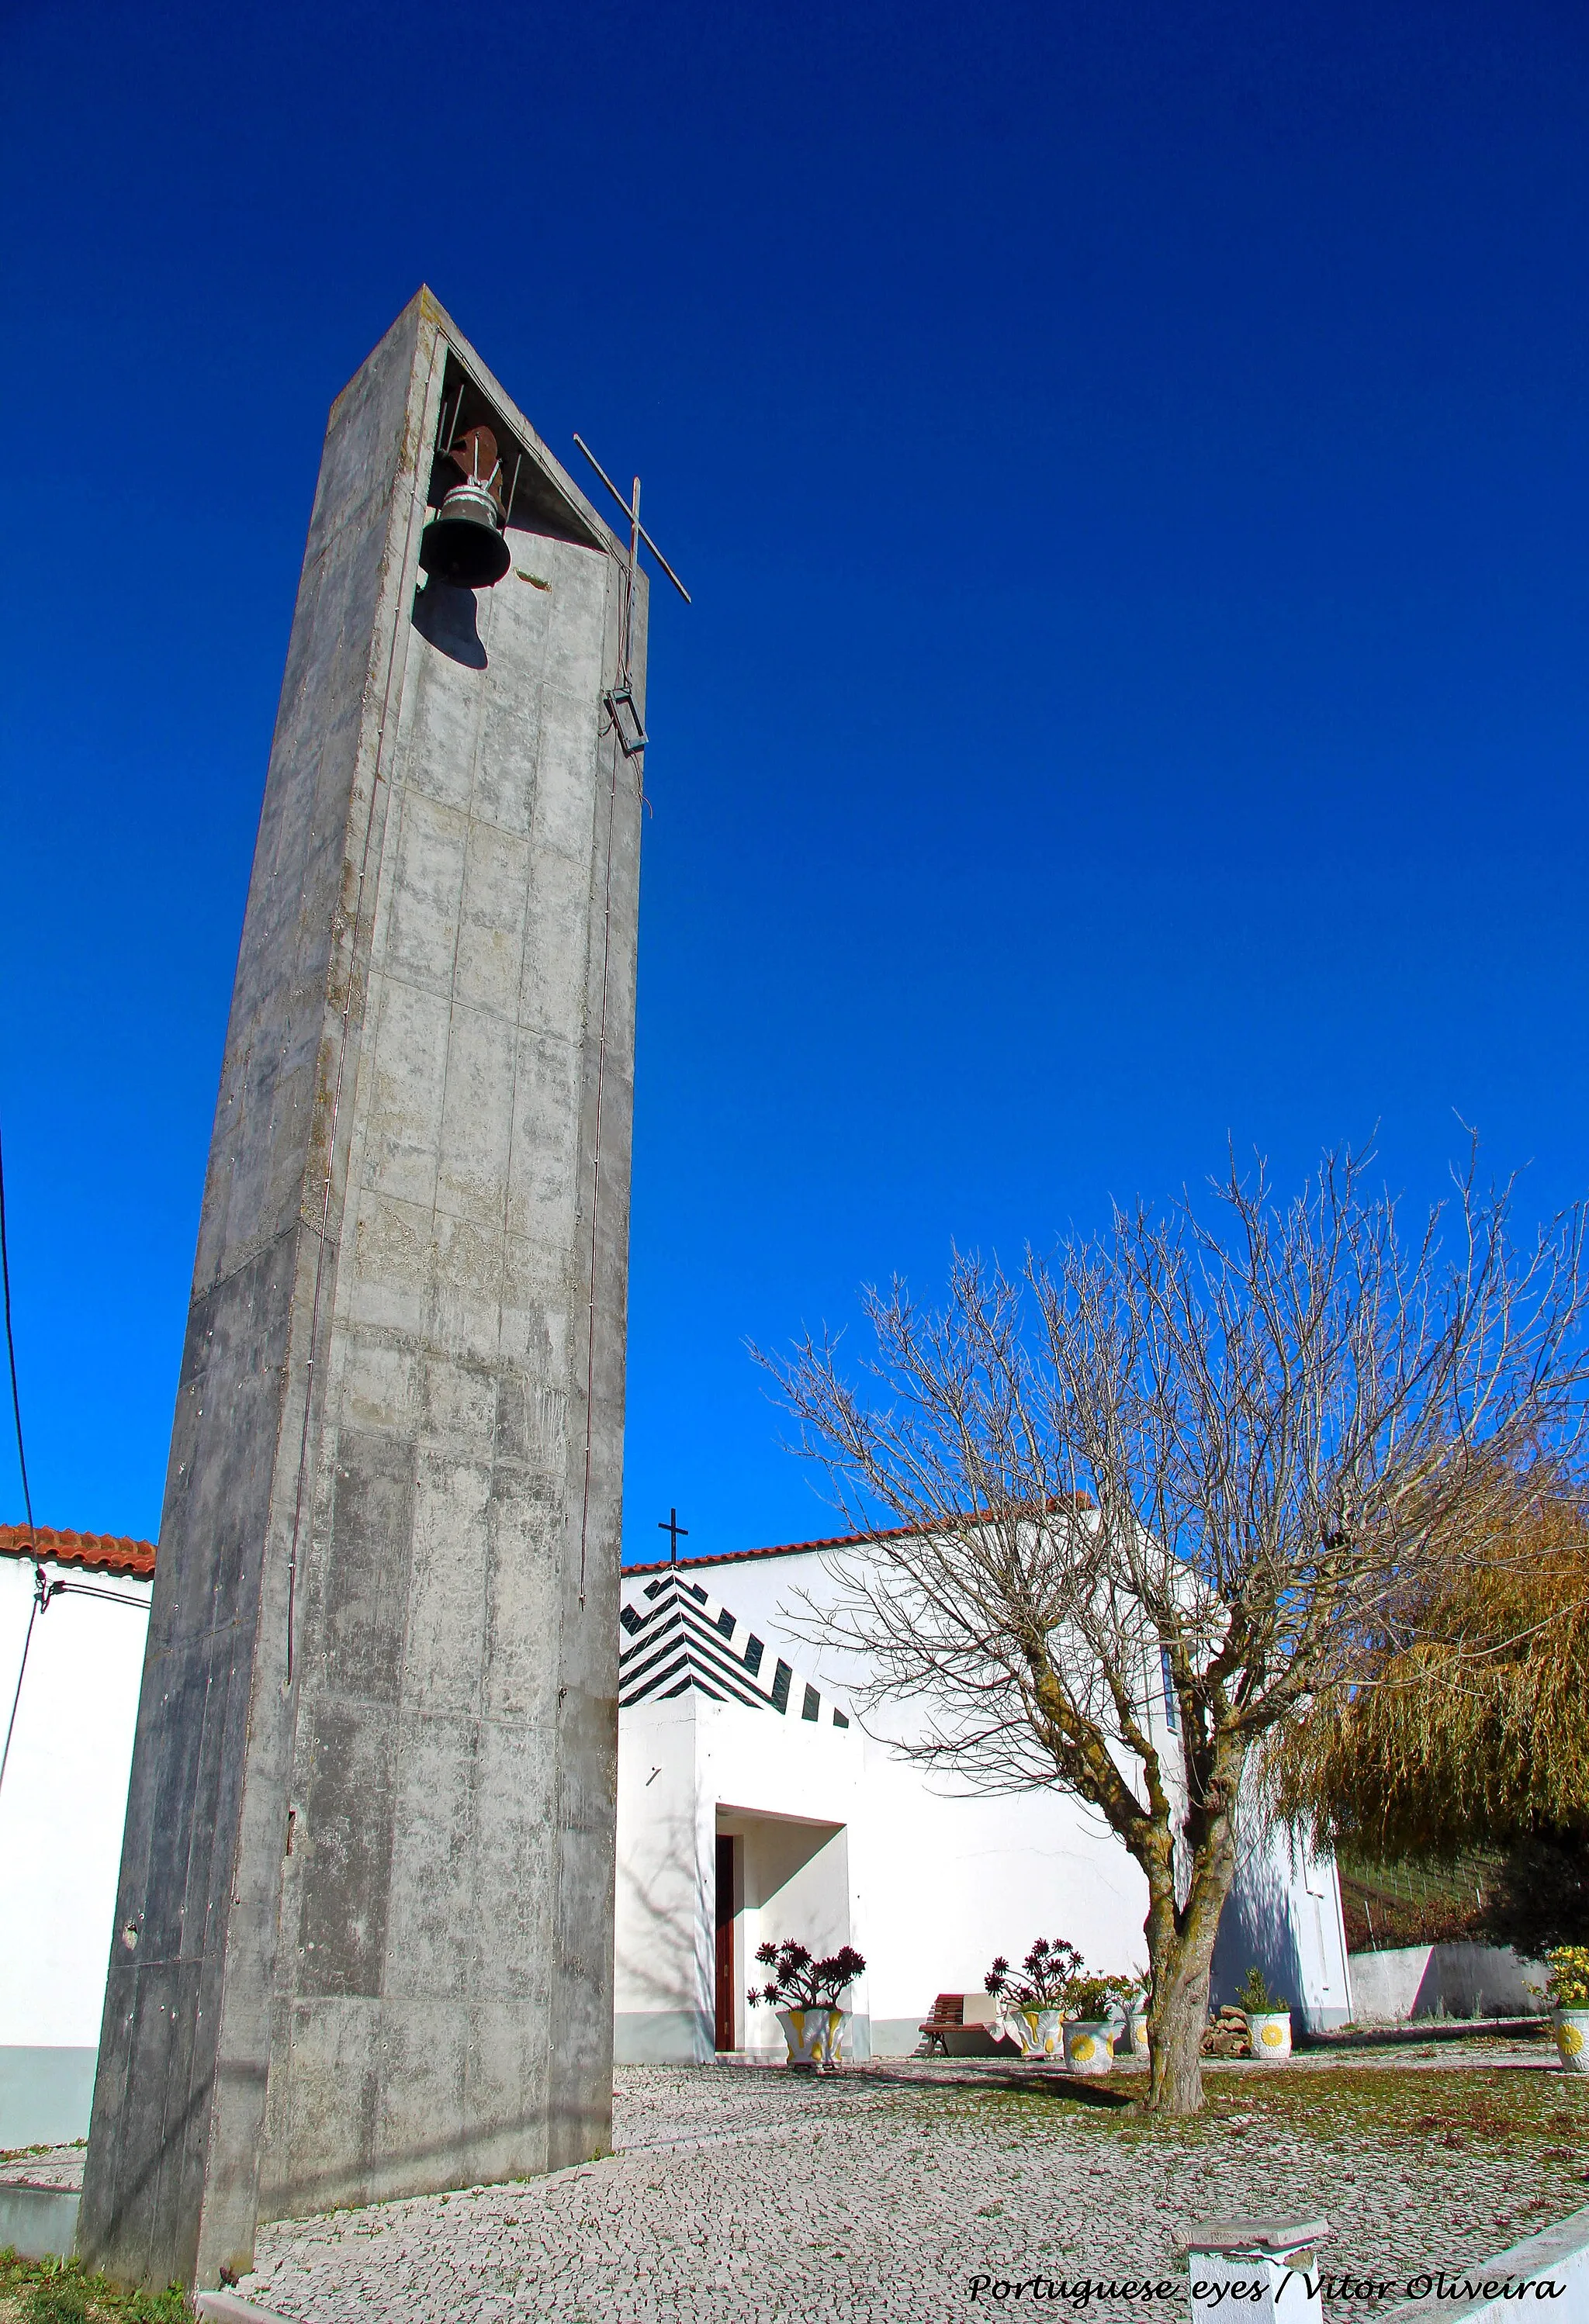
x: 881, y: 2194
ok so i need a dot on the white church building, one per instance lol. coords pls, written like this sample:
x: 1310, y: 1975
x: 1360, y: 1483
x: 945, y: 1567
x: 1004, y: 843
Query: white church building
x: 751, y: 1806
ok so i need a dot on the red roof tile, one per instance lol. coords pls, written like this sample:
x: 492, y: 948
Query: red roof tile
x: 795, y: 1548
x: 99, y: 1553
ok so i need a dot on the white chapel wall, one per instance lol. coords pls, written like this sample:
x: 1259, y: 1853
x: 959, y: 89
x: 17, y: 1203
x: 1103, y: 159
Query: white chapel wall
x: 686, y: 1769
x: 61, y: 1813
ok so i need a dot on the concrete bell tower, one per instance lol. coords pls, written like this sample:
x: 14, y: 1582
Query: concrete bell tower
x: 364, y: 1934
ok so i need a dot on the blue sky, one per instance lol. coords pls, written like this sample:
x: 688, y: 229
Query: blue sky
x: 1131, y: 463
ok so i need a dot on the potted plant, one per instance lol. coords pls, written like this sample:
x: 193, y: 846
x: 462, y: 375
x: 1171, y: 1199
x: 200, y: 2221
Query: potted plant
x: 1566, y: 1989
x: 1092, y: 2005
x: 1269, y: 2020
x: 1133, y: 2016
x: 1032, y: 1999
x: 806, y: 1993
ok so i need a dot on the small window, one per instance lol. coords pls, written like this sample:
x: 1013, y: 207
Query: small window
x: 725, y: 1623
x: 812, y: 1704
x: 1168, y: 1676
x: 630, y: 1619
x: 753, y: 1651
x: 780, y: 1679
x: 839, y: 1720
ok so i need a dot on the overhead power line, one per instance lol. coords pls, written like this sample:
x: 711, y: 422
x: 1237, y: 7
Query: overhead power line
x: 42, y: 1590
x: 22, y: 1458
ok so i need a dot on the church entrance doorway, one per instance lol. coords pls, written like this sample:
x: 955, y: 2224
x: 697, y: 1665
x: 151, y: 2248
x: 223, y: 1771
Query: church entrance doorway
x: 779, y: 1876
x: 727, y: 1849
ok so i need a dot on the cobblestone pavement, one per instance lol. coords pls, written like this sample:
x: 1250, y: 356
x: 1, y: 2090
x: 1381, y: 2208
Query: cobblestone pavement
x: 745, y: 2194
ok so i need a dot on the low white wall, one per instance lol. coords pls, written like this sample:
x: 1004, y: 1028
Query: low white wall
x: 1552, y: 2267
x: 1404, y: 1982
x: 46, y: 2094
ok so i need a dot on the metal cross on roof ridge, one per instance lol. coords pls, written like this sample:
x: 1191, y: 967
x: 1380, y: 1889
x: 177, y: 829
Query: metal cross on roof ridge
x: 670, y: 1525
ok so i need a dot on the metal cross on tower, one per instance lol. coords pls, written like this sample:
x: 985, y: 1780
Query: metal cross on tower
x: 630, y: 730
x: 621, y: 703
x: 675, y: 1532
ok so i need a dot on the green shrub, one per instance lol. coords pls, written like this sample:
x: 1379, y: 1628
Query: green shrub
x: 1255, y: 1997
x: 1567, y: 1985
x: 62, y: 2292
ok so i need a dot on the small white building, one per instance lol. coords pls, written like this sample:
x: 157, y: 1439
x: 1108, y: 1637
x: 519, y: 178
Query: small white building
x: 62, y: 1805
x: 751, y: 1807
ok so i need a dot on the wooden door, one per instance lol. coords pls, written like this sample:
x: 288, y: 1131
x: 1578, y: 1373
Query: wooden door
x: 724, y: 1942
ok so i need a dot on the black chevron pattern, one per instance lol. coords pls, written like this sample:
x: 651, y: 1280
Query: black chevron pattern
x: 675, y: 1639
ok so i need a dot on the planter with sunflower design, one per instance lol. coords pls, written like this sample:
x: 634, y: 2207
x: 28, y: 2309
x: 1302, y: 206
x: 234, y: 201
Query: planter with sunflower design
x: 1571, y: 2028
x: 1566, y: 1991
x: 1268, y: 2035
x: 1089, y: 2045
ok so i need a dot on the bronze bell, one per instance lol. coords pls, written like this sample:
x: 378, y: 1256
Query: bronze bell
x: 462, y: 543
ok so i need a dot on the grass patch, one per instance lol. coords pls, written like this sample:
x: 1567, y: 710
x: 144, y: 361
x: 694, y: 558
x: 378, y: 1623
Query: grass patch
x: 60, y: 2292
x: 1542, y: 2116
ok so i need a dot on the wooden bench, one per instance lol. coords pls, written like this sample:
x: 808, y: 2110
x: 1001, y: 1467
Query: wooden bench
x: 976, y: 2014
x: 948, y: 2009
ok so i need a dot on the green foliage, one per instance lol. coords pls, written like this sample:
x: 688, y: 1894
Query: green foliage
x: 1054, y: 1976
x: 58, y: 2299
x: 1092, y: 1998
x: 1469, y: 1727
x: 1256, y: 1998
x: 1045, y: 1977
x: 1568, y: 1984
x: 1414, y: 1900
x: 799, y: 1982
x: 1539, y: 1894
x: 61, y: 2291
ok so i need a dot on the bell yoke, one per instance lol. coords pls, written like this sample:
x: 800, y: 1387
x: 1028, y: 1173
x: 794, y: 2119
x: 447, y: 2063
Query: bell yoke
x: 464, y: 543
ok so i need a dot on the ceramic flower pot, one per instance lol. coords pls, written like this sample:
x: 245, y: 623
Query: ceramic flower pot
x: 1571, y: 2027
x: 816, y: 2037
x: 1133, y: 2040
x: 1036, y: 2029
x: 1268, y: 2036
x: 838, y: 2034
x: 1089, y: 2045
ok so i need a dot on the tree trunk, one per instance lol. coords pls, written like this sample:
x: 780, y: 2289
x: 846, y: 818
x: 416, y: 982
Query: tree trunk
x: 1177, y: 2023
x: 1180, y: 1951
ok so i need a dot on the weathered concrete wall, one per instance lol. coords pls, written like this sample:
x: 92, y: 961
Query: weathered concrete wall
x: 1455, y: 1980
x: 365, y: 1924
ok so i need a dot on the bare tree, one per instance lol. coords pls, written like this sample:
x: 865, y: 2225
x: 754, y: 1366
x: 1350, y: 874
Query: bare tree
x: 1224, y: 1448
